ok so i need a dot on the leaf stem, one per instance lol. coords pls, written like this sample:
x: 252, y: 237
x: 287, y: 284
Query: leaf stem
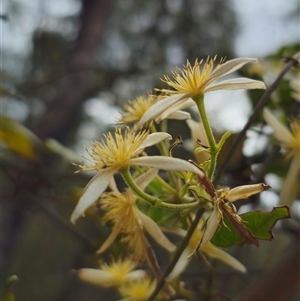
x: 199, y: 100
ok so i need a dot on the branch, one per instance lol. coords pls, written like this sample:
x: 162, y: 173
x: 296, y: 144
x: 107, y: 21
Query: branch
x: 262, y: 102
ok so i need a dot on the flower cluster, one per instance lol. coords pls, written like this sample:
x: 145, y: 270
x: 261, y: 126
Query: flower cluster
x: 164, y: 191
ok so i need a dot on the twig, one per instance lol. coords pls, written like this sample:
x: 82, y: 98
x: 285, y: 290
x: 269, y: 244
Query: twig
x: 178, y: 253
x: 263, y: 100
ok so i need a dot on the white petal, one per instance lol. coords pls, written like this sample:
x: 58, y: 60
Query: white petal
x: 180, y: 265
x: 111, y: 238
x: 290, y: 185
x: 198, y: 132
x: 244, y: 191
x: 235, y: 84
x: 145, y: 179
x: 92, y: 191
x: 113, y: 185
x: 159, y: 107
x: 230, y: 67
x: 153, y: 139
x: 212, y: 251
x: 137, y: 274
x: 281, y: 132
x: 95, y: 276
x: 178, y: 115
x: 183, y: 103
x: 153, y: 229
x: 210, y: 228
x: 166, y: 163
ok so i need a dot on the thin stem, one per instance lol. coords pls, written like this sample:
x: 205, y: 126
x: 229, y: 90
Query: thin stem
x: 178, y: 253
x: 154, y: 201
x: 152, y: 261
x: 210, y: 136
x: 261, y: 103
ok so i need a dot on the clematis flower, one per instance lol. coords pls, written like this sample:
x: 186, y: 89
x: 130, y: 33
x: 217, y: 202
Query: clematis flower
x: 120, y: 152
x: 137, y: 290
x: 128, y: 220
x: 208, y: 250
x: 194, y: 81
x: 223, y: 204
x: 290, y: 141
x: 135, y: 109
x: 113, y: 274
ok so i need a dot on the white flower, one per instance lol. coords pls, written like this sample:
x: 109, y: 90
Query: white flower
x: 290, y: 141
x: 120, y: 152
x: 193, y: 81
x: 128, y: 220
x: 113, y: 274
x: 136, y: 108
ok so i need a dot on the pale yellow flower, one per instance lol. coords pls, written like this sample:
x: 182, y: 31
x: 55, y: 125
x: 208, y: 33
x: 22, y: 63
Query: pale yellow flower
x: 128, y: 220
x: 119, y: 152
x: 137, y: 290
x: 135, y: 109
x: 195, y: 80
x: 113, y: 274
x: 290, y: 141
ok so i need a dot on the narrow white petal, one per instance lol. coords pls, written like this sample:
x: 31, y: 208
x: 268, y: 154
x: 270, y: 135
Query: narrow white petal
x: 198, y: 132
x: 166, y: 163
x: 230, y: 67
x: 244, y: 191
x: 281, y: 132
x: 145, y: 179
x: 290, y: 185
x: 153, y: 139
x: 113, y: 185
x: 95, y: 276
x: 153, y: 229
x: 159, y: 107
x: 180, y: 265
x: 210, y: 228
x: 111, y: 238
x: 212, y: 251
x: 181, y: 104
x: 235, y: 84
x: 137, y: 274
x: 92, y: 191
x: 178, y: 115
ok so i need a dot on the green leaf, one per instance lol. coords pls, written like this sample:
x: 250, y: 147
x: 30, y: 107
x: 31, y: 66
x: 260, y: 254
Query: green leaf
x: 8, y: 294
x: 259, y: 222
x: 19, y: 139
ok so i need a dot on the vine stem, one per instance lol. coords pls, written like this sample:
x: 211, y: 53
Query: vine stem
x: 291, y: 62
x: 154, y: 201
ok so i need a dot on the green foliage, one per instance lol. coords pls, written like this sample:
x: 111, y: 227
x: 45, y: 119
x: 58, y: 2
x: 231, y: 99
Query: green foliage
x: 259, y: 222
